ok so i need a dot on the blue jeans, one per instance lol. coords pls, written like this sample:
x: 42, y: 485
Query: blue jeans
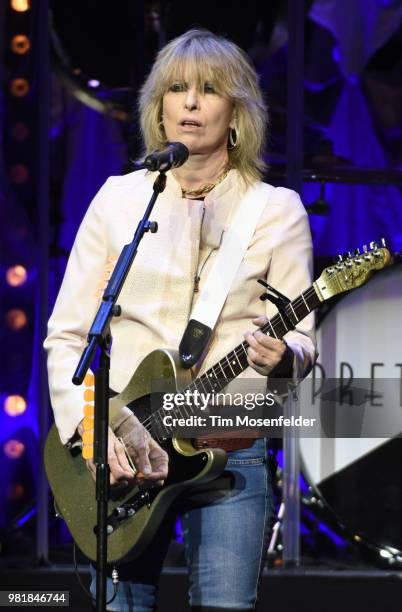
x: 226, y: 527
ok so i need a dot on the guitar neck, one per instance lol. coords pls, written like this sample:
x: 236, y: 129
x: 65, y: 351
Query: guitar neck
x: 348, y: 273
x: 235, y: 362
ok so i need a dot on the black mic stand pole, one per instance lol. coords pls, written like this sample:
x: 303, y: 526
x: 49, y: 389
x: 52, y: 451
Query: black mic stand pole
x: 99, y: 336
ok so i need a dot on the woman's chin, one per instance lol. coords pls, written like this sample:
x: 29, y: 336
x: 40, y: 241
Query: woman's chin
x: 190, y: 140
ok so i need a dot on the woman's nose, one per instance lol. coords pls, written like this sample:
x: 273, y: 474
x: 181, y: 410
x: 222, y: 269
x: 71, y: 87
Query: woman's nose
x: 192, y: 99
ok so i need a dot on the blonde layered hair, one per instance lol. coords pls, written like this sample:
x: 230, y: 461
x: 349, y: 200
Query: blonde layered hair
x: 214, y: 59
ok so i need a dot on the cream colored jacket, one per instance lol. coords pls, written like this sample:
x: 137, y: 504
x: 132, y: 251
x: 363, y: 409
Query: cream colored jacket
x: 159, y: 292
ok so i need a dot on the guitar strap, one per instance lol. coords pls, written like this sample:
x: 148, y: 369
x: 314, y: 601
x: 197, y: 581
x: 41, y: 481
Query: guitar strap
x: 219, y: 280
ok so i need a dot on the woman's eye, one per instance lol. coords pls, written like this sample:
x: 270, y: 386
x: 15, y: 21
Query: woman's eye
x: 177, y: 87
x: 209, y: 88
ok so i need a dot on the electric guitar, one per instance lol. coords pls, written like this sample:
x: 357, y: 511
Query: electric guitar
x: 134, y: 514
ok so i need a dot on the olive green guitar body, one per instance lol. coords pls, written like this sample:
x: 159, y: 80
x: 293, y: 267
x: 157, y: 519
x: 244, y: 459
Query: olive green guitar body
x: 74, y: 489
x: 71, y: 483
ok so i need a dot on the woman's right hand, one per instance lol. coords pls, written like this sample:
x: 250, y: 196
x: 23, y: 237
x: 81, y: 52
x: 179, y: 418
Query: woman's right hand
x: 150, y: 460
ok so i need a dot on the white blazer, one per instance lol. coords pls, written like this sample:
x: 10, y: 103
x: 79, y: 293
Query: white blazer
x: 159, y: 291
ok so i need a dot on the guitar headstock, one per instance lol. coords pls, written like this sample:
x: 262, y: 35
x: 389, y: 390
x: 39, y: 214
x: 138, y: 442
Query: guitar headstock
x: 352, y: 270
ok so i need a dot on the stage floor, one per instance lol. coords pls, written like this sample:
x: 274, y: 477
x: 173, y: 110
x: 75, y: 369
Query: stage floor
x: 304, y: 588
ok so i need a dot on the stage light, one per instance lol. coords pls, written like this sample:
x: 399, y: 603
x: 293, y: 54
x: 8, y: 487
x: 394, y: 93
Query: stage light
x: 385, y: 554
x: 16, y: 276
x: 19, y: 131
x: 89, y: 395
x: 16, y: 319
x: 14, y: 449
x: 15, y: 492
x: 19, y: 87
x: 18, y: 174
x: 14, y: 405
x: 20, y: 44
x: 20, y: 5
x: 93, y: 83
x: 26, y: 516
x: 89, y: 379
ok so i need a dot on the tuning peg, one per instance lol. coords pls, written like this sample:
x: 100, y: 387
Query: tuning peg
x: 373, y: 246
x: 366, y: 253
x: 338, y: 259
x: 347, y: 255
x: 357, y: 257
x: 383, y: 242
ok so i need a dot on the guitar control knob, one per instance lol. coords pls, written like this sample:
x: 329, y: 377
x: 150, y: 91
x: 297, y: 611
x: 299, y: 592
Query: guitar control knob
x: 109, y: 529
x: 120, y: 512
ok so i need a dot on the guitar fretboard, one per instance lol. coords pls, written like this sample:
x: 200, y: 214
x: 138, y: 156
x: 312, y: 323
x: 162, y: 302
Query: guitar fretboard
x: 235, y: 362
x: 229, y: 367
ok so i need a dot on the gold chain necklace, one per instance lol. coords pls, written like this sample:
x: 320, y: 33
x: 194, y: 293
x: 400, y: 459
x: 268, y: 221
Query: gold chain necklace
x: 202, y: 191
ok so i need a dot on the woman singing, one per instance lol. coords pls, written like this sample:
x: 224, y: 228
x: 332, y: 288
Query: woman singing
x: 203, y: 92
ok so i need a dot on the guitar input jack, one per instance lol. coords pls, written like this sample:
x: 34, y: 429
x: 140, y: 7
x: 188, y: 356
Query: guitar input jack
x: 115, y: 576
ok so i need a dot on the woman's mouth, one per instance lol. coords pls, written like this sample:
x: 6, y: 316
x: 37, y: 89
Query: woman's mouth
x: 190, y: 123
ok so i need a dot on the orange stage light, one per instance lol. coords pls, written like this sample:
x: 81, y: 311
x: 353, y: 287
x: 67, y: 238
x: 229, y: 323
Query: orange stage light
x: 89, y: 379
x: 16, y: 319
x: 16, y: 276
x: 15, y: 492
x: 20, y: 44
x: 20, y: 5
x: 15, y: 405
x: 89, y: 395
x: 19, y: 87
x: 14, y: 449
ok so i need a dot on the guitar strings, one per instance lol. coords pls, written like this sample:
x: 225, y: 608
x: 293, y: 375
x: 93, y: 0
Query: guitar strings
x: 149, y: 422
x: 273, y: 323
x: 239, y: 352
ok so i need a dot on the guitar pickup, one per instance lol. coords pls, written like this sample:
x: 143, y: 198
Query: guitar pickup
x: 129, y: 459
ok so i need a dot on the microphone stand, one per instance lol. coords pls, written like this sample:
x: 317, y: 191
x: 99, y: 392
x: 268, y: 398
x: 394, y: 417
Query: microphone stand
x: 99, y: 336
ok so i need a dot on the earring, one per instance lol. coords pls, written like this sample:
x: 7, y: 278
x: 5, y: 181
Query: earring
x: 233, y: 138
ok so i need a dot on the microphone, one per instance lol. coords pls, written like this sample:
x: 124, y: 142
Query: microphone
x: 172, y: 156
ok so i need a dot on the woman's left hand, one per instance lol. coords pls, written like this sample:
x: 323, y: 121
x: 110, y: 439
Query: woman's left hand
x: 264, y: 352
